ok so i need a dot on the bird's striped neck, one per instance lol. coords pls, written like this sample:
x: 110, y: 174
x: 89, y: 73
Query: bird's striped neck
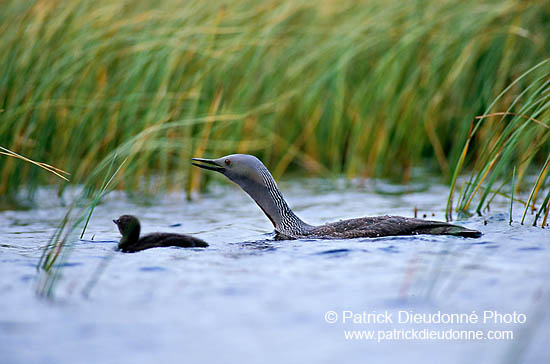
x: 270, y: 199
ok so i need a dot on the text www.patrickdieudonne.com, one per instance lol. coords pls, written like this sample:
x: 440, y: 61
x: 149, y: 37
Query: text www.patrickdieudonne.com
x: 430, y: 326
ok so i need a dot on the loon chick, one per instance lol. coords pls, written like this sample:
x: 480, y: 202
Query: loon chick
x: 253, y: 177
x: 130, y: 242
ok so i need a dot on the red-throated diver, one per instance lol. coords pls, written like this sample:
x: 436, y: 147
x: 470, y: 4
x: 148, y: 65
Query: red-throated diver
x: 130, y: 242
x: 253, y: 177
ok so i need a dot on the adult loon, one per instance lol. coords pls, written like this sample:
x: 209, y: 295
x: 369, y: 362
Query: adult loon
x: 130, y: 242
x: 254, y: 178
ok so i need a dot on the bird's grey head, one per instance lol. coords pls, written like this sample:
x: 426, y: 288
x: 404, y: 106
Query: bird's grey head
x: 253, y: 177
x: 243, y: 169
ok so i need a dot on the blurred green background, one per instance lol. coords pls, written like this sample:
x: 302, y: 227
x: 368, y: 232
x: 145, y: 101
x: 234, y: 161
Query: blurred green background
x: 364, y: 88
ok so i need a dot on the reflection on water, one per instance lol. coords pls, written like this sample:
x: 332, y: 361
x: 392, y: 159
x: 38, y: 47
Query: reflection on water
x: 252, y: 299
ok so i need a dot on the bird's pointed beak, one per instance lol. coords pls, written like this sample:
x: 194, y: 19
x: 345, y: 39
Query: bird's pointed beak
x: 115, y: 221
x: 210, y: 164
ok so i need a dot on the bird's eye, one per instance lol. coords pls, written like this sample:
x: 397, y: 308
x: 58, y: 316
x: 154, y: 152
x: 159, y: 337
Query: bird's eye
x: 227, y: 162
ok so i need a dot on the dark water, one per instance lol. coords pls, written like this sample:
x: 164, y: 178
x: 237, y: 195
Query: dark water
x: 247, y: 300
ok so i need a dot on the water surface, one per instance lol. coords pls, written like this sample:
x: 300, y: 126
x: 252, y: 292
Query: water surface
x: 249, y: 299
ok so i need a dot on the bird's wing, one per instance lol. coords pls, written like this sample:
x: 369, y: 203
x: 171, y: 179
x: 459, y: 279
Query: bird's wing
x: 390, y: 226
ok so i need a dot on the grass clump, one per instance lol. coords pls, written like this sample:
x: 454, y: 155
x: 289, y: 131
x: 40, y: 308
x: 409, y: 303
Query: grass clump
x: 509, y: 139
x: 366, y: 89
